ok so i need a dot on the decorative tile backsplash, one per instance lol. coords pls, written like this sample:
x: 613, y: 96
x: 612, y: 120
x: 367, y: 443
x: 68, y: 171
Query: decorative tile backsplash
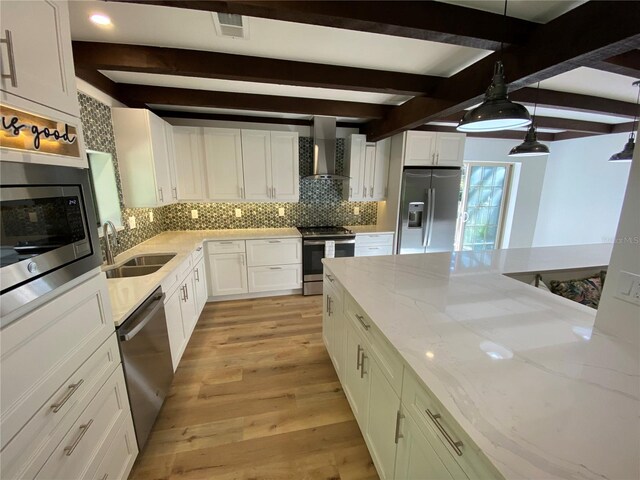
x: 320, y: 200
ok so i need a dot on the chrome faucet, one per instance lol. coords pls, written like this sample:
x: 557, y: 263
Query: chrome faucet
x: 105, y: 233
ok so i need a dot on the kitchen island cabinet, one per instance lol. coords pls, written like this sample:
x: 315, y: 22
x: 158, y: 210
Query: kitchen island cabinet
x: 485, y: 391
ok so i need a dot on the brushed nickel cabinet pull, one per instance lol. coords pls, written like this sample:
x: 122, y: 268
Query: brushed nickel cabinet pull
x: 161, y: 195
x: 186, y: 293
x: 275, y: 268
x: 274, y: 241
x: 175, y: 192
x: 330, y: 306
x: 399, y: 416
x: 274, y: 192
x: 437, y: 158
x: 225, y: 243
x: 435, y: 418
x: 361, y: 320
x: 72, y: 389
x: 104, y: 477
x: 83, y: 429
x: 12, y: 61
x: 358, y: 364
x: 197, y: 274
x: 329, y: 277
x: 362, y: 372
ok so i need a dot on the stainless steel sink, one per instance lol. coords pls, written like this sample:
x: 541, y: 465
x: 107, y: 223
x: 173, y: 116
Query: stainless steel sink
x: 155, y: 259
x: 125, y: 271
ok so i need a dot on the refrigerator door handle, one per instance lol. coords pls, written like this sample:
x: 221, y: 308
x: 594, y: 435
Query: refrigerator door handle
x: 426, y: 222
x: 432, y: 209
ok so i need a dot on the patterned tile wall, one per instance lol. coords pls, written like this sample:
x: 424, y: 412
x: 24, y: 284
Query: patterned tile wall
x: 97, y: 129
x: 320, y: 200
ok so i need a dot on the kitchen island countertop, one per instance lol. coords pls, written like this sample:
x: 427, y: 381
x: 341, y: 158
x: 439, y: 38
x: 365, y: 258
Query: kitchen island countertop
x: 524, y: 372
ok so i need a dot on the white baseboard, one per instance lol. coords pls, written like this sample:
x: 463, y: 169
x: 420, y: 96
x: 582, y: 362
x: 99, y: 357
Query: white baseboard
x: 244, y: 296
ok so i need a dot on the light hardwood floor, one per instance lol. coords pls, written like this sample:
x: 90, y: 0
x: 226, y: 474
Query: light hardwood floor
x: 256, y: 397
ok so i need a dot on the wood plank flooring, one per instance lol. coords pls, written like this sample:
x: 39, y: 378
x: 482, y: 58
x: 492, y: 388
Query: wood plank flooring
x: 256, y: 397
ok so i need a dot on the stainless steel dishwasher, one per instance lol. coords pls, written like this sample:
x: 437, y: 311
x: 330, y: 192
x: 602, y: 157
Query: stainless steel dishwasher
x: 146, y: 357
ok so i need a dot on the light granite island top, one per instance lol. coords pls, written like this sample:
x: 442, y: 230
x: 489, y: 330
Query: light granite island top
x: 540, y: 391
x: 127, y: 294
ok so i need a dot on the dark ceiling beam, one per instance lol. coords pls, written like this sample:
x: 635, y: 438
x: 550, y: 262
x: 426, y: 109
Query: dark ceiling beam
x: 569, y: 135
x: 627, y: 64
x: 201, y: 64
x: 102, y: 83
x: 503, y: 134
x: 434, y: 21
x: 245, y: 118
x: 244, y: 101
x: 626, y: 127
x: 591, y: 32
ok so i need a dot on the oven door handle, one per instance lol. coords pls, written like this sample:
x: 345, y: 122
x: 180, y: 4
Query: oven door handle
x: 322, y: 242
x: 128, y: 335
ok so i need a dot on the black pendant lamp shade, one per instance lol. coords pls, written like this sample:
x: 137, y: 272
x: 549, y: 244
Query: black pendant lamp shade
x: 530, y: 147
x: 627, y: 151
x: 496, y: 112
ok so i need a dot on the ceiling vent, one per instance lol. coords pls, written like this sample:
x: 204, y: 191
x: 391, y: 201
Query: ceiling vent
x: 231, y: 25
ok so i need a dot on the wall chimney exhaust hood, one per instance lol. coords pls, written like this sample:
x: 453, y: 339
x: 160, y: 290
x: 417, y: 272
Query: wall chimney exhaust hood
x: 324, y: 149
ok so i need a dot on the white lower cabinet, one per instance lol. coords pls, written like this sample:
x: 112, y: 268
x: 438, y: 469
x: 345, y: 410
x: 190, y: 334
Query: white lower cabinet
x: 175, y: 329
x: 120, y: 455
x: 200, y: 284
x: 356, y: 381
x: 282, y: 277
x: 334, y: 327
x: 227, y: 274
x: 374, y: 244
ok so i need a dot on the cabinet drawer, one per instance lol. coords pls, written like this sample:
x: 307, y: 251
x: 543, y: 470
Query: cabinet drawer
x: 280, y: 277
x: 331, y: 284
x: 121, y: 452
x: 172, y: 281
x: 388, y: 359
x: 275, y: 251
x: 41, y: 350
x: 226, y: 246
x: 419, y: 403
x: 27, y: 451
x: 83, y: 443
x: 374, y: 239
x: 374, y: 251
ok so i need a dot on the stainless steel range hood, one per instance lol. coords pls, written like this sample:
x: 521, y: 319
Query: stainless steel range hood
x: 324, y: 149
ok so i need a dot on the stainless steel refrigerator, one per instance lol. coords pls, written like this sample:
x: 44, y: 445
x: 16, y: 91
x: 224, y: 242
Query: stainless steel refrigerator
x: 428, y: 210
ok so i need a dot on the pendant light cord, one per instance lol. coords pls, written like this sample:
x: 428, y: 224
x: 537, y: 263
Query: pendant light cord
x: 504, y: 30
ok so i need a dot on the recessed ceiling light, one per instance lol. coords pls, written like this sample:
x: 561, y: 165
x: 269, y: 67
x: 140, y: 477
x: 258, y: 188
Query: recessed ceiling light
x: 100, y: 19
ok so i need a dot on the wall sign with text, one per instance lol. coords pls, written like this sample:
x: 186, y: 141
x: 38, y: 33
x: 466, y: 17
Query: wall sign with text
x: 32, y: 133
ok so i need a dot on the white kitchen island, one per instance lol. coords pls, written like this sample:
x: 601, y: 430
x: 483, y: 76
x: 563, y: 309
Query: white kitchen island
x: 519, y: 375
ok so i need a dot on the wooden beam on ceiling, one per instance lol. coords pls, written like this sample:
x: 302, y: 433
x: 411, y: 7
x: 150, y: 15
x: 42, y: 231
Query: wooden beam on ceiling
x: 591, y: 32
x: 434, y: 21
x: 503, y: 134
x: 196, y: 63
x: 627, y: 64
x: 244, y: 101
x: 569, y: 135
x: 102, y: 83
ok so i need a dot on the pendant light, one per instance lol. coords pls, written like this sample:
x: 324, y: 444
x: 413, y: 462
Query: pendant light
x: 531, y: 147
x: 627, y: 151
x: 496, y: 112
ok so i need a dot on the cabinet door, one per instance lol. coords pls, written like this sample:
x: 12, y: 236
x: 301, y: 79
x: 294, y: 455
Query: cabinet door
x: 41, y: 46
x: 450, y: 149
x: 189, y: 163
x: 381, y: 172
x: 285, y: 166
x: 200, y: 285
x: 419, y: 148
x: 355, y: 166
x: 223, y: 161
x: 417, y: 457
x: 333, y: 323
x: 381, y: 421
x: 356, y: 379
x: 227, y: 274
x: 256, y: 160
x: 175, y: 329
x: 188, y: 305
x: 171, y: 157
x: 275, y: 251
x: 158, y: 139
x: 369, y: 171
x: 274, y: 278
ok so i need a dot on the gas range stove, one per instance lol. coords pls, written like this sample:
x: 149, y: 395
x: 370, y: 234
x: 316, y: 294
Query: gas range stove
x: 323, y: 232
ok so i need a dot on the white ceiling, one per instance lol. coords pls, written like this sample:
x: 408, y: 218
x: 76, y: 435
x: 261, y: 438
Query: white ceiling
x: 190, y: 29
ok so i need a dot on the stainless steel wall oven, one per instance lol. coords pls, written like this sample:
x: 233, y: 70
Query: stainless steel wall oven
x: 47, y: 231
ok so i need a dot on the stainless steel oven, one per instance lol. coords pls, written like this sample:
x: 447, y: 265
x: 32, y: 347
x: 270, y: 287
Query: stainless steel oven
x: 47, y: 234
x: 315, y: 241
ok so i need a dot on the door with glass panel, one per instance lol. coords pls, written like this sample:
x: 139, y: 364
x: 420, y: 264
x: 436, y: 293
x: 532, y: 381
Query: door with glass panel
x: 485, y: 190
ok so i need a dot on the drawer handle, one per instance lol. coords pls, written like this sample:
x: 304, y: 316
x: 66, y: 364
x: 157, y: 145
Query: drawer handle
x: 329, y: 277
x: 197, y: 274
x: 399, y: 416
x: 225, y: 243
x: 83, y: 429
x: 362, y: 372
x: 274, y: 241
x: 197, y: 250
x: 12, y: 62
x: 358, y: 364
x: 361, y: 320
x: 275, y: 268
x: 72, y: 389
x: 104, y: 477
x: 435, y: 418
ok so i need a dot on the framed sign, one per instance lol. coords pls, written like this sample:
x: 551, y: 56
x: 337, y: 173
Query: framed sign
x: 28, y: 132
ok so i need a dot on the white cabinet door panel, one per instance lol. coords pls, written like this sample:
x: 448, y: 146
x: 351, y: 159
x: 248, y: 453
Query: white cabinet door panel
x: 369, y: 171
x: 373, y: 251
x: 274, y: 252
x: 227, y: 274
x: 200, y: 285
x: 120, y: 455
x: 381, y: 175
x: 419, y: 148
x: 269, y: 279
x: 189, y: 163
x: 355, y: 167
x: 356, y: 380
x: 285, y: 166
x: 160, y: 154
x: 256, y: 160
x: 223, y: 160
x: 188, y: 306
x: 175, y: 327
x: 450, y: 149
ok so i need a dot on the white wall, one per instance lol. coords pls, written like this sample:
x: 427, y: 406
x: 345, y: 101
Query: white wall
x: 527, y: 184
x: 615, y: 316
x: 582, y: 193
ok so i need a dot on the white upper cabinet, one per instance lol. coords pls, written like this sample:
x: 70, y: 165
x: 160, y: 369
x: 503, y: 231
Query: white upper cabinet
x: 37, y: 61
x: 189, y: 162
x: 256, y: 158
x: 223, y: 162
x: 143, y: 157
x: 367, y: 165
x: 171, y: 155
x: 429, y: 149
x: 285, y: 166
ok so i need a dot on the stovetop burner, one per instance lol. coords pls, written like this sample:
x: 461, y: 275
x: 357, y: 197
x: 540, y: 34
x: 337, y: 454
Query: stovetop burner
x: 324, y: 231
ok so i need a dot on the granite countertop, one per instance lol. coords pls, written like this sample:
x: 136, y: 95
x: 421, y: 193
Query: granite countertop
x: 127, y: 294
x: 364, y: 229
x: 540, y: 391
